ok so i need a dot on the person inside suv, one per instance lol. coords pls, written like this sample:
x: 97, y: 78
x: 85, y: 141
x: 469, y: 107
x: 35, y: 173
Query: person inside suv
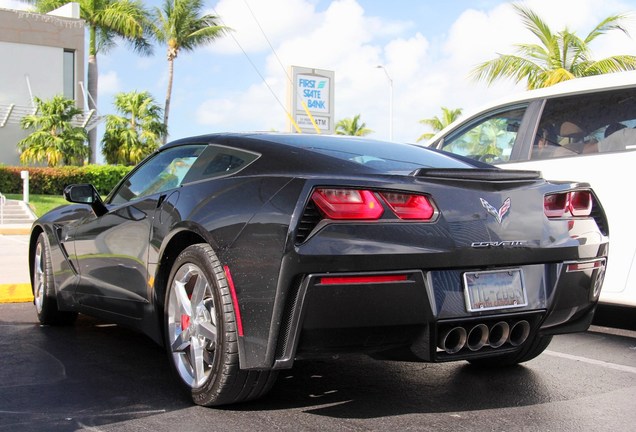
x: 617, y: 137
x: 576, y: 139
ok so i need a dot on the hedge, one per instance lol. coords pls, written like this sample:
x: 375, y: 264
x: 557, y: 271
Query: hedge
x: 52, y: 181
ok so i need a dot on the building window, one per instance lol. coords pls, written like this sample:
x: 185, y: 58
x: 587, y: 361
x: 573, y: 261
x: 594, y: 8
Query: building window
x: 69, y: 74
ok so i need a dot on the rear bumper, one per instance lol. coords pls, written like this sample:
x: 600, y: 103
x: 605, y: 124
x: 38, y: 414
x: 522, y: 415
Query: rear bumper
x: 419, y: 314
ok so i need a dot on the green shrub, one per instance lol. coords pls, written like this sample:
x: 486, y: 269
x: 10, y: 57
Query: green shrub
x: 52, y: 181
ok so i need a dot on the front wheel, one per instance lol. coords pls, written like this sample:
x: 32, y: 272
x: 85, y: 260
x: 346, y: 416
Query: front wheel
x: 43, y: 285
x: 535, y: 348
x: 201, y: 332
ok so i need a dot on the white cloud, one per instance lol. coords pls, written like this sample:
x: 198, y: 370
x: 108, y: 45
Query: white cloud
x: 109, y: 84
x: 279, y: 19
x: 339, y: 39
x: 346, y: 39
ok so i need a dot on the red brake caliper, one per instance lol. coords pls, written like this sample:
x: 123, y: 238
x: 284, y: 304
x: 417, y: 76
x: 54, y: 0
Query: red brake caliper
x: 185, y: 321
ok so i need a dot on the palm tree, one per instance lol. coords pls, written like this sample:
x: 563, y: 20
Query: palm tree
x: 180, y: 25
x: 54, y: 140
x: 437, y: 124
x: 557, y: 57
x: 136, y: 133
x: 352, y: 126
x: 106, y: 19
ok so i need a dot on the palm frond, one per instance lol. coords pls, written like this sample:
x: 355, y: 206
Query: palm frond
x: 610, y: 23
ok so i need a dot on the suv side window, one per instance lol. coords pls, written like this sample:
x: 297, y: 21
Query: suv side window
x: 587, y: 124
x: 489, y: 138
x: 165, y: 170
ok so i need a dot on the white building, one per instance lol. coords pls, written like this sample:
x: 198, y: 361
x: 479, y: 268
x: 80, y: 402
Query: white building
x: 42, y: 56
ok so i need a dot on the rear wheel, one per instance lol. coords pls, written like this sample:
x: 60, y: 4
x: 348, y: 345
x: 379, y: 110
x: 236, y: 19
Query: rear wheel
x: 43, y: 285
x: 538, y: 345
x: 201, y: 332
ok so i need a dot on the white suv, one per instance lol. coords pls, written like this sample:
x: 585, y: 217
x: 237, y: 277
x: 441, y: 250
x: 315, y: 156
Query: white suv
x: 582, y: 130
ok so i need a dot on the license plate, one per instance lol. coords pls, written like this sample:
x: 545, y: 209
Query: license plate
x: 497, y: 289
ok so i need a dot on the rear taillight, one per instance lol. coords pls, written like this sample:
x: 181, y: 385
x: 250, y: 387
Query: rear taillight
x: 347, y: 204
x: 356, y: 204
x: 555, y: 205
x: 580, y: 203
x: 408, y: 206
x: 568, y: 204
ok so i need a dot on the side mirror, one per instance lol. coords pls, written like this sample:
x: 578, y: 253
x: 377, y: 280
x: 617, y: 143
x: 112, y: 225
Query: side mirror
x: 85, y: 194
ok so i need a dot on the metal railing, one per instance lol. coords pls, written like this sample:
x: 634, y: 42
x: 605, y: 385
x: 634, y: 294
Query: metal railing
x: 3, y: 201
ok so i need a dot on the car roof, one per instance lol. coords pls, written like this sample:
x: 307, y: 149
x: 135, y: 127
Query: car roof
x: 287, y: 152
x: 290, y: 139
x: 592, y: 84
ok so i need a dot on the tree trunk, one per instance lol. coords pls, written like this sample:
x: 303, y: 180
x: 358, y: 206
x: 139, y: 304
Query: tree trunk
x: 92, y: 104
x: 92, y: 91
x: 166, y: 109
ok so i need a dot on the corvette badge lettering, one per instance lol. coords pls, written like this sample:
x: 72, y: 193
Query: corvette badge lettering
x: 504, y: 243
x: 498, y: 214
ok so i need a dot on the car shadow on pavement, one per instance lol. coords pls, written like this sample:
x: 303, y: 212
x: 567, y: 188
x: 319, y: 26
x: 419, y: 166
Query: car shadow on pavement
x: 90, y: 374
x: 359, y: 387
x: 95, y: 374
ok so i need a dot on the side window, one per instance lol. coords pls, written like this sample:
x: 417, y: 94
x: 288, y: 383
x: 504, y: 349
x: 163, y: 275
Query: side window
x: 489, y: 138
x: 587, y: 124
x: 220, y: 161
x: 166, y: 170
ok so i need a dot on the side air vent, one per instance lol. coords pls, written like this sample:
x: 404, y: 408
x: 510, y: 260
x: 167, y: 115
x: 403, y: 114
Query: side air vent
x: 310, y: 218
x: 291, y: 304
x: 600, y: 219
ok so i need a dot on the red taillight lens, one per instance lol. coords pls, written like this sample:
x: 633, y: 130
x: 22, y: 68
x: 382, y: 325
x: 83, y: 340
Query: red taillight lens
x: 555, y: 205
x: 408, y: 206
x: 347, y: 204
x: 580, y: 203
x: 577, y: 204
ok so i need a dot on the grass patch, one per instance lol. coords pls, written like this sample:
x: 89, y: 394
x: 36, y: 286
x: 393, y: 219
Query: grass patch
x: 41, y: 204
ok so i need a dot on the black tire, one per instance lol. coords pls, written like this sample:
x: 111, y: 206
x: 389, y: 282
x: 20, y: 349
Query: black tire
x: 43, y: 286
x: 201, y: 333
x: 532, y: 350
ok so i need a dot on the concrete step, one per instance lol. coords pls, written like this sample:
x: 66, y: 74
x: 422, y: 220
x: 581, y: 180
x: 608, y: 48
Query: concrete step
x: 14, y: 221
x: 16, y: 212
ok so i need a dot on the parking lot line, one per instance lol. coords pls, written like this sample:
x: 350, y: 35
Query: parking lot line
x: 601, y: 363
x: 15, y: 293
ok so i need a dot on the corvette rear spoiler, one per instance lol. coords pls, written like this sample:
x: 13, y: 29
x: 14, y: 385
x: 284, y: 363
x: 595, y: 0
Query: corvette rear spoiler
x: 484, y: 174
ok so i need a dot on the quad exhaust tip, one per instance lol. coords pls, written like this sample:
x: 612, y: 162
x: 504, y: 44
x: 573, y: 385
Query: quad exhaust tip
x: 454, y: 339
x: 519, y: 332
x: 477, y: 337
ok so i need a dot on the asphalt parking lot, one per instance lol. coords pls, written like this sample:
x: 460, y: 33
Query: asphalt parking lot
x: 98, y: 376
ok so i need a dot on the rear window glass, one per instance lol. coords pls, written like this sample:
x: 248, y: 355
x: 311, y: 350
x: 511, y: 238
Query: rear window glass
x: 392, y: 158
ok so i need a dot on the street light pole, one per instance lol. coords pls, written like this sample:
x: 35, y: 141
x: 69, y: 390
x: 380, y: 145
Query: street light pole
x: 390, y: 100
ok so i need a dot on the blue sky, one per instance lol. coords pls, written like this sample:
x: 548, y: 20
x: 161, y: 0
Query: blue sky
x: 428, y: 48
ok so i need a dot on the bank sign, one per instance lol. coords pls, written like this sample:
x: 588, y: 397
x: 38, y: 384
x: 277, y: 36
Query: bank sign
x: 310, y: 100
x: 314, y: 91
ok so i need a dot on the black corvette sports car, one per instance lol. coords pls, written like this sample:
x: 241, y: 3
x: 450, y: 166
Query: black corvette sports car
x: 243, y: 252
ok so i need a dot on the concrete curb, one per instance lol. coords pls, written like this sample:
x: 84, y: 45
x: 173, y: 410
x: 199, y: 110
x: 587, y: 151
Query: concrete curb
x: 15, y: 293
x: 15, y: 230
